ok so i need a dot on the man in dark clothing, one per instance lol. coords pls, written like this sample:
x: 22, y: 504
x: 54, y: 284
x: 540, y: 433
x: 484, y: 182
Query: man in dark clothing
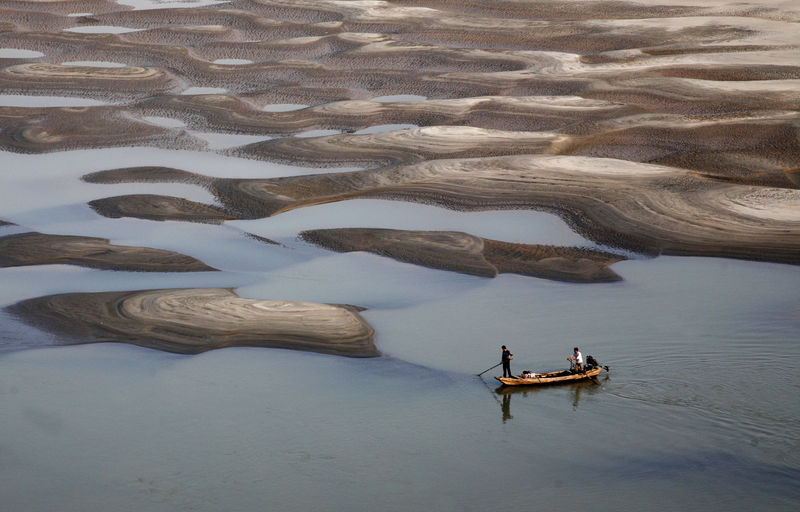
x: 506, y: 359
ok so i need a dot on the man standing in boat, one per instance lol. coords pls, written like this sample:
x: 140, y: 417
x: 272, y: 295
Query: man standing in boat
x: 576, y: 359
x: 506, y: 360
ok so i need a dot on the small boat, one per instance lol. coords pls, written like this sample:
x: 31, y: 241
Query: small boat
x: 556, y: 377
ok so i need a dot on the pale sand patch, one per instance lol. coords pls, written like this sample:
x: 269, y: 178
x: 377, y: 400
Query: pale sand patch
x: 749, y: 86
x: 84, y: 72
x: 594, y: 165
x: 95, y: 63
x: 683, y: 122
x: 765, y: 203
x: 165, y: 122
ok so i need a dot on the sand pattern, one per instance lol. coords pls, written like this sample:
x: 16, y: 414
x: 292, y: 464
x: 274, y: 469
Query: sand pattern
x: 657, y: 129
x: 190, y: 321
x: 468, y: 254
x: 647, y: 208
x: 34, y: 248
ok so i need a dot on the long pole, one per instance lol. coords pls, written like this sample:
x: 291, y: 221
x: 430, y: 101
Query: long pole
x: 486, y: 370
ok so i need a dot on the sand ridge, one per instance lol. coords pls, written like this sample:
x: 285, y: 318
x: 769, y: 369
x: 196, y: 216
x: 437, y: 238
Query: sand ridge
x: 195, y: 320
x: 658, y: 129
x: 468, y: 254
x: 32, y: 248
x: 640, y: 207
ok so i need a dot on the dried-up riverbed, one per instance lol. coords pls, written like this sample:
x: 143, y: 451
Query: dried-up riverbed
x: 201, y: 174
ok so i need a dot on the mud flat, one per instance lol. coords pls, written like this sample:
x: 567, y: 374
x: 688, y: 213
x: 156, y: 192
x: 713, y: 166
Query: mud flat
x: 660, y: 129
x: 190, y: 321
x: 125, y: 82
x: 41, y: 130
x: 156, y: 207
x: 468, y: 254
x: 640, y: 207
x: 41, y: 249
x: 400, y: 146
x: 230, y: 113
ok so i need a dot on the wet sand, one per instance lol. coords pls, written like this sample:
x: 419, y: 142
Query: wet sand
x: 647, y: 208
x: 191, y: 321
x: 468, y: 254
x: 650, y: 128
x: 41, y: 249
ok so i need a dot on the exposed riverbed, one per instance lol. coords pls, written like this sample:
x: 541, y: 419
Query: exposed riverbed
x: 171, y: 153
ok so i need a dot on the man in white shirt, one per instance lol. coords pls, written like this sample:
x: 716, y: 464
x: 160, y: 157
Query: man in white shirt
x: 576, y: 360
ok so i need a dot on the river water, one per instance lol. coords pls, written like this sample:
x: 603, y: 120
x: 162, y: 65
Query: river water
x: 700, y: 409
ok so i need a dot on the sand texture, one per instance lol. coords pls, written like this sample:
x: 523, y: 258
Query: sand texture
x: 650, y: 128
x: 41, y: 249
x: 191, y: 321
x: 468, y: 254
x: 648, y: 208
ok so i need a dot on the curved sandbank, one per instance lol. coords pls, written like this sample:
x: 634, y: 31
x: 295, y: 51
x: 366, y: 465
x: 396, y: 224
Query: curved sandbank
x: 45, y: 129
x: 641, y: 207
x: 399, y: 146
x: 729, y: 147
x: 469, y: 254
x: 156, y: 207
x: 555, y: 105
x: 126, y: 82
x: 34, y: 248
x: 233, y: 114
x: 190, y: 321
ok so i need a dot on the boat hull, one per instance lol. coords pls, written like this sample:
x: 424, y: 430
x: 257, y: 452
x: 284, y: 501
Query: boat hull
x: 543, y: 379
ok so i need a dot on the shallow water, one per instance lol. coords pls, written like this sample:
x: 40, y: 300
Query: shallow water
x: 191, y: 91
x: 700, y: 409
x: 696, y: 413
x: 102, y: 29
x: 284, y: 107
x: 233, y: 62
x: 17, y: 53
x: 13, y: 100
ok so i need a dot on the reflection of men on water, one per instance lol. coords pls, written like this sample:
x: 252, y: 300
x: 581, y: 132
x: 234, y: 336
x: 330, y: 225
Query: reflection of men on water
x: 576, y: 360
x: 506, y: 360
x: 506, y: 407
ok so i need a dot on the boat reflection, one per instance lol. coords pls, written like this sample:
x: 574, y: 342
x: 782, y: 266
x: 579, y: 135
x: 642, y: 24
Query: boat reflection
x: 577, y: 391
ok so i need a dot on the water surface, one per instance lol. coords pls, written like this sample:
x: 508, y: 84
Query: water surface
x: 697, y: 412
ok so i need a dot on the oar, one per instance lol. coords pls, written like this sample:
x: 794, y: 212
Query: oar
x: 486, y: 370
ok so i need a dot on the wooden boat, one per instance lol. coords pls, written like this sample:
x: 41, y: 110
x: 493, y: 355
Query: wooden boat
x: 556, y: 377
